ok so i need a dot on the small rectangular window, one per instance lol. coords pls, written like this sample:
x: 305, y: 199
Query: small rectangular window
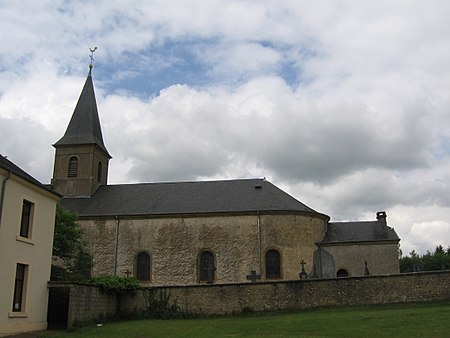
x: 27, y: 218
x: 19, y: 288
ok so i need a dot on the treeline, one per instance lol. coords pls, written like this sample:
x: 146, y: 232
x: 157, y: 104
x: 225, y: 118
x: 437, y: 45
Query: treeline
x: 431, y: 261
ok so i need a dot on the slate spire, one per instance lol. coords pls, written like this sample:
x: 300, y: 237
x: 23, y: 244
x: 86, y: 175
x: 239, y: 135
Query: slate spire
x: 84, y: 126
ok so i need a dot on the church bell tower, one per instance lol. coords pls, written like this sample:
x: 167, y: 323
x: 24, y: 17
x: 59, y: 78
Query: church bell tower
x: 81, y: 158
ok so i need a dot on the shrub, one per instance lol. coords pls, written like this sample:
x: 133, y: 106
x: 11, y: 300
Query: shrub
x: 116, y: 285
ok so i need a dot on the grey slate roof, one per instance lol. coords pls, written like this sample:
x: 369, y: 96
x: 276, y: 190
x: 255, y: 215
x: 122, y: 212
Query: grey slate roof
x: 14, y: 169
x: 228, y: 196
x: 354, y: 232
x: 84, y: 126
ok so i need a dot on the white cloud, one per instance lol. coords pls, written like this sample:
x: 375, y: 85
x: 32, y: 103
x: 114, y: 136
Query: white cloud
x: 27, y: 144
x: 240, y: 60
x: 344, y: 104
x: 421, y: 227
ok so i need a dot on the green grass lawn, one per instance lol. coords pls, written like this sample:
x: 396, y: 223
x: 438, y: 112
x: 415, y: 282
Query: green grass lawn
x: 417, y: 320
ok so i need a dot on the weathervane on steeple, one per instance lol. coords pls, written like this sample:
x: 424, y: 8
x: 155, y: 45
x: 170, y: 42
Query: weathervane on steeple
x: 92, y: 57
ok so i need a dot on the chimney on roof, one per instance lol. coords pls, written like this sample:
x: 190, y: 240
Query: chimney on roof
x: 381, y: 217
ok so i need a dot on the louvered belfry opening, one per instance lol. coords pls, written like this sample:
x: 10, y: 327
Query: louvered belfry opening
x: 73, y: 167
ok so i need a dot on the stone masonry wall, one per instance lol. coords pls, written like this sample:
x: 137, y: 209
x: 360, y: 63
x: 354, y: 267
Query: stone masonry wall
x: 88, y: 303
x: 298, y: 294
x: 175, y: 243
x: 380, y: 258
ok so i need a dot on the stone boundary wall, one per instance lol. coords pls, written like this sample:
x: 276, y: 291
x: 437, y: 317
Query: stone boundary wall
x: 87, y: 303
x: 293, y: 295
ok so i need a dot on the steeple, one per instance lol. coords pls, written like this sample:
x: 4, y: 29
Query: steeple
x: 84, y: 126
x: 81, y: 158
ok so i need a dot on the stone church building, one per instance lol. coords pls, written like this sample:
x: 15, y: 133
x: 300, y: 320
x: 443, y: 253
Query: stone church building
x: 184, y: 233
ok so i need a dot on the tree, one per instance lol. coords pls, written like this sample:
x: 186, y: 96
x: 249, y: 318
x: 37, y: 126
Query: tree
x: 438, y: 260
x: 70, y: 261
x: 410, y: 263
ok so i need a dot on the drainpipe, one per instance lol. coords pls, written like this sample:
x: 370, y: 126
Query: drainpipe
x: 116, y: 247
x: 2, y: 196
x: 320, y: 261
x: 258, y: 227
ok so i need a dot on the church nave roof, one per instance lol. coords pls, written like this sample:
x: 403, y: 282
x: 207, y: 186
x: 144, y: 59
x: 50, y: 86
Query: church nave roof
x: 227, y: 196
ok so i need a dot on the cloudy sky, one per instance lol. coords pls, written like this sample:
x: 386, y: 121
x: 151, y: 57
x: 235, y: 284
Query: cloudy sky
x: 344, y: 104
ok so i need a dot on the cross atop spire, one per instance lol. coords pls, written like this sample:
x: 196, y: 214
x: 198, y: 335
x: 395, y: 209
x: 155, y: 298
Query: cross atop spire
x: 91, y: 65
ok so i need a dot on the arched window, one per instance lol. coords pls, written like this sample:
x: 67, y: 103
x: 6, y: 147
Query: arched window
x: 273, y: 264
x: 207, y: 267
x: 99, y: 171
x: 143, y: 267
x: 342, y: 273
x: 73, y: 167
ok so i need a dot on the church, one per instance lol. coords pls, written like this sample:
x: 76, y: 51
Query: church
x: 187, y: 233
